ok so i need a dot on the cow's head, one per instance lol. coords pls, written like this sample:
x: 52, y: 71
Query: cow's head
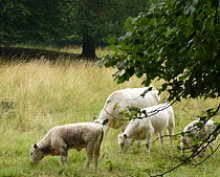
x: 36, y: 154
x: 124, y: 142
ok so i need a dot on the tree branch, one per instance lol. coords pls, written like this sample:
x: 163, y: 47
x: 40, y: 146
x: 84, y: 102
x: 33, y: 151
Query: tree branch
x: 205, y: 143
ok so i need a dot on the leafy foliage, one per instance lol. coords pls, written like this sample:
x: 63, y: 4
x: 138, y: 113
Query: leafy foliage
x: 177, y: 41
x: 30, y: 21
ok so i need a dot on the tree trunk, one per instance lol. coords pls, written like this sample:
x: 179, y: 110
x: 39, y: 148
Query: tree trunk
x: 88, y: 47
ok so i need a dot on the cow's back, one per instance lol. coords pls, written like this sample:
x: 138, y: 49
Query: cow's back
x: 120, y: 101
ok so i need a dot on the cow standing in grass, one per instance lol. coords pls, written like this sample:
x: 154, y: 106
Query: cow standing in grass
x: 194, y: 134
x: 62, y: 138
x: 154, y: 119
x: 119, y: 102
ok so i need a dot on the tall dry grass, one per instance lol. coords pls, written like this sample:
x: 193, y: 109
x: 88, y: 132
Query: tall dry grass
x: 38, y: 95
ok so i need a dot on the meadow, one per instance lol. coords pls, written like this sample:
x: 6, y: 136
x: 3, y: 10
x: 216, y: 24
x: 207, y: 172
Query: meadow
x: 38, y: 95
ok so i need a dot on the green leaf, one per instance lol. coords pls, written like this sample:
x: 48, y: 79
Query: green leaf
x: 112, y: 40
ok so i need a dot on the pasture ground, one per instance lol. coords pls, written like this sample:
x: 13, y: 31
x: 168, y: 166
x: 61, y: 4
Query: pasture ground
x: 36, y: 96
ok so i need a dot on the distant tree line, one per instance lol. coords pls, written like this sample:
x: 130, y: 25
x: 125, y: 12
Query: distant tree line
x: 65, y: 22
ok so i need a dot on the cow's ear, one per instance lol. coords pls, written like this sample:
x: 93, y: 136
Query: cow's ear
x: 105, y: 122
x: 35, y: 146
x: 125, y: 136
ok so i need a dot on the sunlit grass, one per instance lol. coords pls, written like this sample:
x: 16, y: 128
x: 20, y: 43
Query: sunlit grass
x: 37, y: 96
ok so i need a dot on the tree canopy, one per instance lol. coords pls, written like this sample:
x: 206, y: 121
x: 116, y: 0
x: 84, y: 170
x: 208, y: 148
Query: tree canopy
x: 30, y: 21
x: 54, y: 22
x: 177, y: 41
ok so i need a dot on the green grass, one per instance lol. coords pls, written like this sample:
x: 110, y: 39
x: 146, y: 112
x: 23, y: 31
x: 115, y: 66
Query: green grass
x: 37, y: 96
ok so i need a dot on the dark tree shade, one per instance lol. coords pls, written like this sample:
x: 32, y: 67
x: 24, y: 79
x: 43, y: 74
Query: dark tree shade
x: 89, y: 22
x: 98, y: 19
x: 30, y: 21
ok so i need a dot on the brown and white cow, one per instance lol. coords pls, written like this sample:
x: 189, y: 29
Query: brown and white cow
x: 62, y: 138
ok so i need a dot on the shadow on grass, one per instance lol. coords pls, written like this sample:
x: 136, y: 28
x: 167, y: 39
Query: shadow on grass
x: 28, y: 54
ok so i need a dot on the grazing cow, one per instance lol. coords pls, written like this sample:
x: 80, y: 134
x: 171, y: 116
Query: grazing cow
x: 120, y: 101
x: 152, y: 120
x: 192, y: 133
x: 62, y: 138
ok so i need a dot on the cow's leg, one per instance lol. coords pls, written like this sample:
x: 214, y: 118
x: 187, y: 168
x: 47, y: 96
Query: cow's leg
x: 89, y: 153
x: 62, y: 148
x: 171, y: 133
x: 160, y: 136
x: 149, y: 135
x: 96, y: 153
x: 64, y: 155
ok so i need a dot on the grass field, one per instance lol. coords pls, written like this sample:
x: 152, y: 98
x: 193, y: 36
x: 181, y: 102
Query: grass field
x: 37, y: 96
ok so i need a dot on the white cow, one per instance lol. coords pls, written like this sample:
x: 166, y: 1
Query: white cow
x: 155, y: 119
x: 193, y: 134
x: 120, y: 101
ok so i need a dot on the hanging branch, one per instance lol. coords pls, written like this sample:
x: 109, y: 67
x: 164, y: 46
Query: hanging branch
x: 200, y: 148
x: 215, y: 4
x: 196, y: 152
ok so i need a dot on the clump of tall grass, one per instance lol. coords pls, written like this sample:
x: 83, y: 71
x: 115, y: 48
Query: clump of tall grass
x: 42, y: 89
